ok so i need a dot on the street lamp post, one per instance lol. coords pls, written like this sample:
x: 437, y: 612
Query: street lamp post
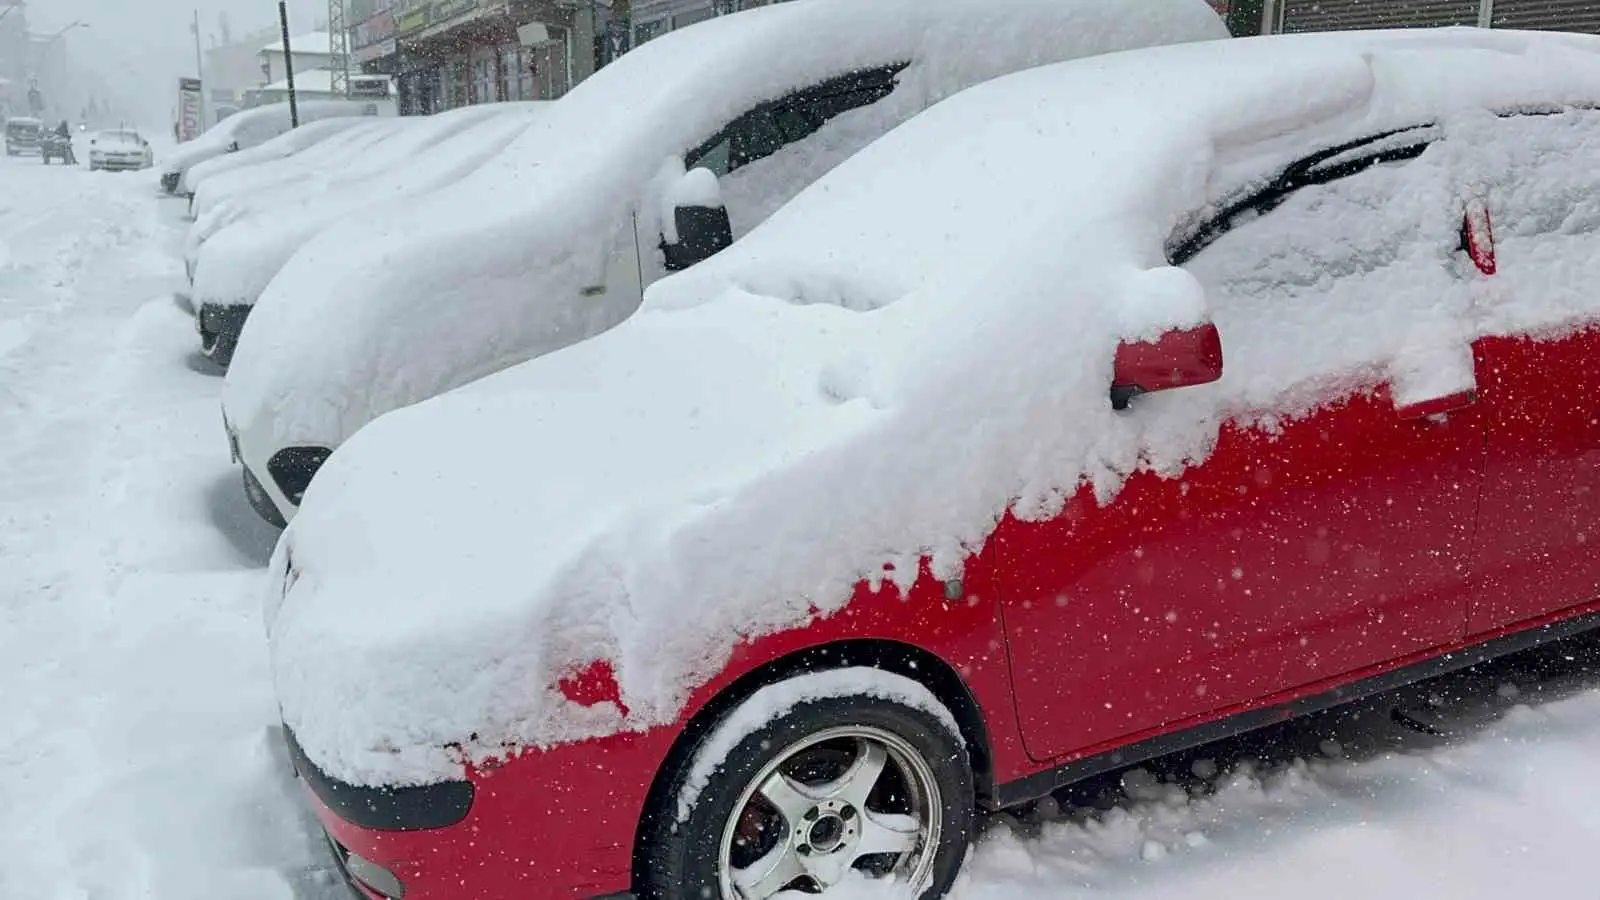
x: 38, y: 60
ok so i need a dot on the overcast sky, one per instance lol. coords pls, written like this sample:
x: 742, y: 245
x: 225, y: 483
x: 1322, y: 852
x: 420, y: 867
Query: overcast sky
x: 143, y: 46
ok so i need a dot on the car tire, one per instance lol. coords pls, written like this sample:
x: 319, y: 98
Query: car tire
x: 218, y: 348
x: 728, y: 840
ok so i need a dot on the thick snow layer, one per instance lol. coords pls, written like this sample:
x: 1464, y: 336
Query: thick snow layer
x: 493, y: 271
x: 287, y: 144
x: 238, y: 262
x: 911, y: 347
x: 251, y: 128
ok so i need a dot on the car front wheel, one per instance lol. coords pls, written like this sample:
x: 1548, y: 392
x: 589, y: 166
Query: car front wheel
x: 849, y: 782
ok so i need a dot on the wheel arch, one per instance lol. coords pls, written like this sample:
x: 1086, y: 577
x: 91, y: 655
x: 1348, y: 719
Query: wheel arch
x: 907, y: 660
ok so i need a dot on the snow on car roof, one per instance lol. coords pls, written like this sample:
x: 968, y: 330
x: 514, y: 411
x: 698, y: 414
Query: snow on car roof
x: 480, y: 292
x: 239, y: 261
x: 914, y: 346
x: 255, y: 125
x: 286, y: 144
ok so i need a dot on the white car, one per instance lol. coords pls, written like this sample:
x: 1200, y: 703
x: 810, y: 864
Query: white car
x: 844, y: 536
x: 235, y: 264
x: 252, y: 128
x: 242, y: 192
x: 296, y: 141
x: 656, y: 162
x: 120, y: 149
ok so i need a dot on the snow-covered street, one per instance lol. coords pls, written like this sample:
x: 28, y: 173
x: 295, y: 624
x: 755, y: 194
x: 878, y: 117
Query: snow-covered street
x: 139, y: 756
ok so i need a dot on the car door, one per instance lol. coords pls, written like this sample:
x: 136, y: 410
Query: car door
x: 1332, y: 537
x: 1539, y: 370
x: 768, y: 154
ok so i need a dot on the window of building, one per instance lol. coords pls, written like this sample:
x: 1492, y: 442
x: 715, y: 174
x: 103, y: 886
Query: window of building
x: 646, y: 31
x: 685, y: 19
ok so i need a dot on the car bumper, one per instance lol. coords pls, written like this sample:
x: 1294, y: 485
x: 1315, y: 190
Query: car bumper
x: 551, y: 825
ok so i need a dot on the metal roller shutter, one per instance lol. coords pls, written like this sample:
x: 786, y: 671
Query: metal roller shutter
x: 1330, y: 15
x: 1563, y: 15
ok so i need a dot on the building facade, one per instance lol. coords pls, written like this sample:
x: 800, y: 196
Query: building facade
x: 311, y: 52
x: 451, y: 53
x: 1288, y: 16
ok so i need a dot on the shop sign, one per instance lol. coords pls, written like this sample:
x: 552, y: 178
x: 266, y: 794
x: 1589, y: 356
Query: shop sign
x: 189, y: 93
x: 378, y: 28
x: 414, y: 19
x: 436, y: 13
x: 375, y: 51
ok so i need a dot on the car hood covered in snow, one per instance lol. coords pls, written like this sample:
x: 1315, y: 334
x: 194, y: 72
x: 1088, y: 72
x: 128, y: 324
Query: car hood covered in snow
x: 911, y: 348
x: 491, y: 273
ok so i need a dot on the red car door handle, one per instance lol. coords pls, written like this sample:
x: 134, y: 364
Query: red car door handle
x: 1437, y: 405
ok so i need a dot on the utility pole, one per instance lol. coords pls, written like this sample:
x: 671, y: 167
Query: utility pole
x: 288, y: 63
x: 338, y: 49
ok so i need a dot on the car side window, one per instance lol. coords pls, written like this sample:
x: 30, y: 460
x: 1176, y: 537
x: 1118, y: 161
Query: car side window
x: 770, y: 127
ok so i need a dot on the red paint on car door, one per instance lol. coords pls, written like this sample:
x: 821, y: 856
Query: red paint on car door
x: 1539, y: 539
x: 1340, y: 542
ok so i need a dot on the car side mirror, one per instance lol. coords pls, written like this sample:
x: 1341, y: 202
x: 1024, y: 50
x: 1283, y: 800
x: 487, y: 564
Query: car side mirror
x: 1178, y: 359
x: 699, y: 228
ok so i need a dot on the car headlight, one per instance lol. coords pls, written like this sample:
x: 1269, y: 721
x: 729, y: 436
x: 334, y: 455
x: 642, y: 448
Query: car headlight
x: 293, y: 468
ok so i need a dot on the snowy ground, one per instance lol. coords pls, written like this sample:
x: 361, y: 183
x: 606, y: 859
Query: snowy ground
x: 137, y: 757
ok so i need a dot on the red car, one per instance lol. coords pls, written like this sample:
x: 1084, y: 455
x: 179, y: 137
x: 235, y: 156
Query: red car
x: 1389, y: 239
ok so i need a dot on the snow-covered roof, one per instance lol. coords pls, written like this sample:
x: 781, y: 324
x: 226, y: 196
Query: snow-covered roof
x: 913, y: 346
x: 314, y: 42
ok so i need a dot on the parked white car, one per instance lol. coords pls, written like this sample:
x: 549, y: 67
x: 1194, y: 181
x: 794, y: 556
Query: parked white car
x: 232, y: 266
x: 287, y: 144
x: 655, y: 163
x: 251, y: 128
x: 237, y: 194
x: 120, y: 149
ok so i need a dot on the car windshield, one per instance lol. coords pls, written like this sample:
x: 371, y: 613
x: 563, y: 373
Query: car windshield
x: 22, y: 128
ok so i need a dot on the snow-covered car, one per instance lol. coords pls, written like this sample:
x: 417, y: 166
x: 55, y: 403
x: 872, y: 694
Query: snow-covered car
x: 1103, y: 410
x: 247, y: 129
x: 690, y: 141
x: 120, y: 149
x: 308, y: 135
x: 236, y: 263
x: 22, y: 135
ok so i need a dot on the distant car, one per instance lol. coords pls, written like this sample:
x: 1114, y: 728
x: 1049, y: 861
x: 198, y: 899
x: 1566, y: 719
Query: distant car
x: 248, y: 129
x: 22, y: 135
x: 1105, y: 410
x: 120, y: 149
x: 688, y: 143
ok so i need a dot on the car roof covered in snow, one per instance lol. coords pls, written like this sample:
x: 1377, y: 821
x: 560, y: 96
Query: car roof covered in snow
x: 912, y: 347
x: 463, y: 284
x: 254, y: 126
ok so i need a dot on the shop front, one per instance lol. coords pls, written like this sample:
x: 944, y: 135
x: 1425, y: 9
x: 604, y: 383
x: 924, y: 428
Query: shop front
x: 452, y: 53
x: 1272, y: 16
